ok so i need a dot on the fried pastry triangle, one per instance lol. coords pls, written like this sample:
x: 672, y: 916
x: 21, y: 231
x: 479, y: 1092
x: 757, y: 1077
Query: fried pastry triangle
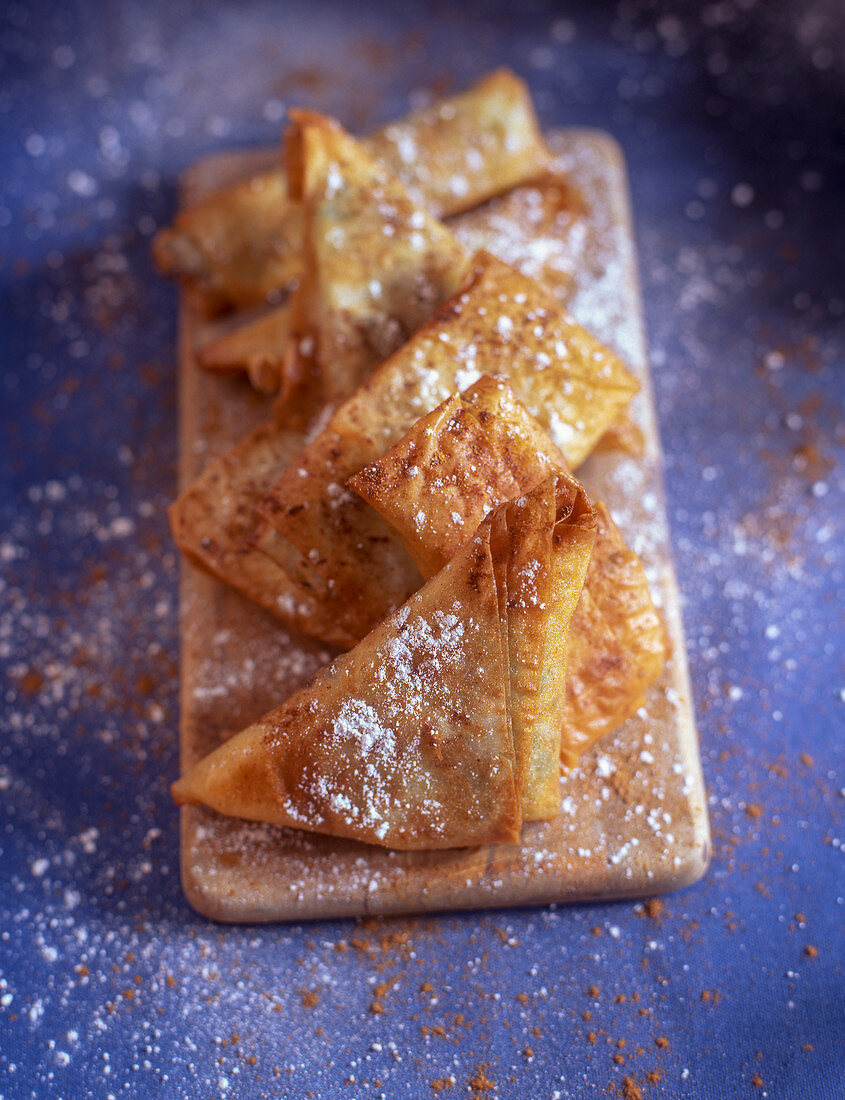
x: 540, y: 228
x: 236, y: 248
x: 472, y: 453
x: 475, y: 451
x: 242, y: 244
x: 462, y: 150
x: 500, y: 322
x: 213, y: 522
x: 537, y: 228
x: 407, y: 740
x: 354, y: 550
x: 375, y: 264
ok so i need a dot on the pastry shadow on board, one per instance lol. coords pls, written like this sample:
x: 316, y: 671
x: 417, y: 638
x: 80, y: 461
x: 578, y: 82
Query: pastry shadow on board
x: 633, y: 818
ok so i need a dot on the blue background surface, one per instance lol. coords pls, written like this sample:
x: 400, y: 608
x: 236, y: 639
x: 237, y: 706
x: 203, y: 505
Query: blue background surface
x: 731, y: 116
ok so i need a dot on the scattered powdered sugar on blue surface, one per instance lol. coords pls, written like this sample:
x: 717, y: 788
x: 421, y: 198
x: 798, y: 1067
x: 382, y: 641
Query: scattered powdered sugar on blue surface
x: 110, y: 986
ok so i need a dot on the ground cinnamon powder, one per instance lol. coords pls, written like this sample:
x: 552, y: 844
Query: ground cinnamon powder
x: 631, y: 1090
x: 480, y: 1082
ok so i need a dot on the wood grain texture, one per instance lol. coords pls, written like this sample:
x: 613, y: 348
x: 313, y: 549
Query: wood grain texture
x: 633, y: 818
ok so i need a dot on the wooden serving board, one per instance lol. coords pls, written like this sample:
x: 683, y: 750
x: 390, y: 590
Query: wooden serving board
x: 633, y: 816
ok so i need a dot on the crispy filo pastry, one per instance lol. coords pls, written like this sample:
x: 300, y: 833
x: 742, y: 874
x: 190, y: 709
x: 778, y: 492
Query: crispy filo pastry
x: 618, y: 644
x: 500, y: 322
x: 454, y: 466
x: 256, y: 348
x: 407, y: 741
x: 241, y: 245
x: 236, y: 248
x: 214, y: 519
x: 537, y: 228
x: 540, y: 589
x: 475, y: 451
x: 375, y: 264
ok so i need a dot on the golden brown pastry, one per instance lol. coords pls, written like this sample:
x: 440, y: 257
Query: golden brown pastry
x: 500, y: 322
x: 310, y: 519
x: 240, y: 246
x: 257, y: 348
x: 375, y: 265
x: 538, y: 592
x: 617, y: 643
x: 452, y: 468
x: 407, y: 740
x: 213, y: 521
x: 464, y: 149
x: 236, y: 248
x: 534, y: 228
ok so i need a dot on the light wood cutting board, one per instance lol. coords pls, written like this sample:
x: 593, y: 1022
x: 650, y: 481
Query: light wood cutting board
x: 633, y: 815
